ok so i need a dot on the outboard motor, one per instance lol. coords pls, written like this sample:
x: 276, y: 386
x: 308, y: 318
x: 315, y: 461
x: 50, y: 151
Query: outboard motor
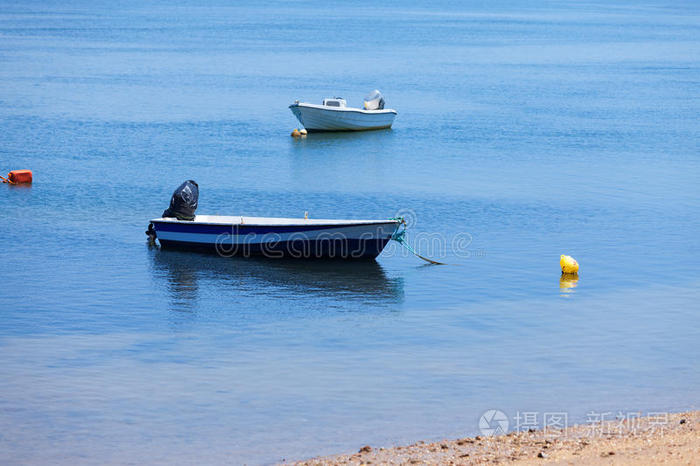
x: 374, y: 101
x: 184, y: 201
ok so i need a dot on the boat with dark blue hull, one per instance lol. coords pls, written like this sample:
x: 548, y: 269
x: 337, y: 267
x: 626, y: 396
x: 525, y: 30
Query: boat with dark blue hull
x: 276, y: 237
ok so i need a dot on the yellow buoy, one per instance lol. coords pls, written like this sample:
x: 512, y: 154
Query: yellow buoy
x: 568, y: 264
x: 296, y: 133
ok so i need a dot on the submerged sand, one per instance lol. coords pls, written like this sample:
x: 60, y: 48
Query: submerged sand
x: 657, y: 439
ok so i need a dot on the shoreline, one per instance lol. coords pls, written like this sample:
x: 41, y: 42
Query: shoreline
x: 671, y: 438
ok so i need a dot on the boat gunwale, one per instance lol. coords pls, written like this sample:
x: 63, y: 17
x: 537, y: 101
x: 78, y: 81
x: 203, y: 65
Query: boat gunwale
x: 340, y: 225
x: 384, y: 111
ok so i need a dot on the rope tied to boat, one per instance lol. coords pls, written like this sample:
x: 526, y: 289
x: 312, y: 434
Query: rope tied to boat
x: 400, y: 237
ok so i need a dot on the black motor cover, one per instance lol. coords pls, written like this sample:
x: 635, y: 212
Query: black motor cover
x: 184, y: 201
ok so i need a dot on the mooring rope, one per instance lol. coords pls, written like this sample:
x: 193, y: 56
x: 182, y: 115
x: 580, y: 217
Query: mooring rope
x: 400, y: 237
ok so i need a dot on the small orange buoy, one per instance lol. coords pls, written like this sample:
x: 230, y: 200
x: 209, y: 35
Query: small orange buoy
x: 18, y: 177
x: 296, y: 133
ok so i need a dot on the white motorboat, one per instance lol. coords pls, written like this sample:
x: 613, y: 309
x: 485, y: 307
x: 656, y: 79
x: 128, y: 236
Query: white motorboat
x: 334, y: 114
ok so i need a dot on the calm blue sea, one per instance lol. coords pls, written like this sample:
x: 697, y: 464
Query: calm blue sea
x: 525, y: 130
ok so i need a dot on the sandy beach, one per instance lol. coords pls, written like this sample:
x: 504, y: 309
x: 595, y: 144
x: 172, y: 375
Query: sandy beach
x: 660, y: 438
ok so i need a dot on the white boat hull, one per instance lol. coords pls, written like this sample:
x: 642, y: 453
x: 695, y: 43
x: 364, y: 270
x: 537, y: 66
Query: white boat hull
x: 323, y: 118
x: 277, y: 237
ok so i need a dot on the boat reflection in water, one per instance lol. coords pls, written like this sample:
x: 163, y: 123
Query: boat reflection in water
x: 373, y: 139
x: 192, y: 279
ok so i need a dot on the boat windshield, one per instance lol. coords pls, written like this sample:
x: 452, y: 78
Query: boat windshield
x: 335, y: 102
x: 374, y: 101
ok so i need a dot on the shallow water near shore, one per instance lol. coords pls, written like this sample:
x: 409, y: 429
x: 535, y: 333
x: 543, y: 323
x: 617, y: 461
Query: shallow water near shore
x: 522, y: 133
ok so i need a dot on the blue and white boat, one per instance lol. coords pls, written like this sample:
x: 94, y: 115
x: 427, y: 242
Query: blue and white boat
x: 276, y: 237
x: 334, y: 114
